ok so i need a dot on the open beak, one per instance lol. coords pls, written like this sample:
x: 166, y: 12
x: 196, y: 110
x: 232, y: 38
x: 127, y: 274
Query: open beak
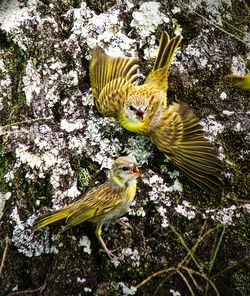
x: 140, y: 114
x: 136, y: 172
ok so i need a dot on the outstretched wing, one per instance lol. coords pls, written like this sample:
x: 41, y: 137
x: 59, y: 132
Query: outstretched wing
x: 111, y: 79
x: 180, y: 137
x: 159, y: 73
x: 96, y: 202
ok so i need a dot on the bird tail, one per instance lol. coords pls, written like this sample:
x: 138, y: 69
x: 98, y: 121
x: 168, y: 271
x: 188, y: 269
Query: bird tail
x: 167, y: 48
x: 49, y: 218
x: 180, y: 137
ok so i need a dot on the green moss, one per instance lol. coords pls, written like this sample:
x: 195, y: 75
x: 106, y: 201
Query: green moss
x: 88, y: 173
x: 14, y: 60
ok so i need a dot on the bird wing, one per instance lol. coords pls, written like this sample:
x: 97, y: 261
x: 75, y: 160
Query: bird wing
x: 242, y: 82
x: 96, y: 202
x: 159, y: 73
x: 111, y: 79
x: 180, y: 137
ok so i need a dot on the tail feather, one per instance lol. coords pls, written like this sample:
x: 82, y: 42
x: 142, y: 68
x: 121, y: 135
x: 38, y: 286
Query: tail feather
x: 180, y: 137
x: 49, y: 218
x: 166, y: 51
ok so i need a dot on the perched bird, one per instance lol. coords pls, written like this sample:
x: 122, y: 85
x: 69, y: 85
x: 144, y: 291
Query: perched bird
x: 174, y: 129
x: 238, y: 81
x: 101, y: 204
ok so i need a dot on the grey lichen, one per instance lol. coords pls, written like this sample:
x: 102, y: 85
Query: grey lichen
x: 55, y: 145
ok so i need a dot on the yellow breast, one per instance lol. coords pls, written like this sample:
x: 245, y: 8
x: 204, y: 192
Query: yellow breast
x: 131, y: 190
x: 134, y: 127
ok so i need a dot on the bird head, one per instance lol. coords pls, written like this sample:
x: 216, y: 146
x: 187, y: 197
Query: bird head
x: 124, y: 170
x: 136, y: 108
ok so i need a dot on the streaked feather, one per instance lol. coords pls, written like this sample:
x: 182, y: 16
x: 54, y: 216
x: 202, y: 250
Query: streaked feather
x: 110, y: 77
x: 180, y: 137
x: 159, y: 74
x: 175, y: 130
x: 97, y: 202
x: 101, y: 203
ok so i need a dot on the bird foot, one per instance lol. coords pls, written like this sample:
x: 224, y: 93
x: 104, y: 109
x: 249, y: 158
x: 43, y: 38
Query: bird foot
x: 109, y: 253
x: 124, y: 221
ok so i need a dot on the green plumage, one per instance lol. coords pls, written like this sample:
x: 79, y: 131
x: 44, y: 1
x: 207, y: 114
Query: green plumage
x: 101, y: 204
x: 143, y: 109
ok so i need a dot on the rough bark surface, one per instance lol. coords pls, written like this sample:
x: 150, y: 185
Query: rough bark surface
x: 54, y: 145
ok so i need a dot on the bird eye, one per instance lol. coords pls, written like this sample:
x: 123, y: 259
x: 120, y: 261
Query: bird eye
x: 132, y: 108
x: 125, y: 168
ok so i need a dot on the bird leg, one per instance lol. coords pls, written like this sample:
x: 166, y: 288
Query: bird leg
x: 98, y: 233
x: 124, y: 221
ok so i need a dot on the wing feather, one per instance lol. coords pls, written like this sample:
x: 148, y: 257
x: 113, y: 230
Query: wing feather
x: 96, y: 202
x: 180, y: 137
x: 110, y: 77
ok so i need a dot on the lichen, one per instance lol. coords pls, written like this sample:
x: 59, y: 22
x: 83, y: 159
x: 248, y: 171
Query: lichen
x: 55, y: 145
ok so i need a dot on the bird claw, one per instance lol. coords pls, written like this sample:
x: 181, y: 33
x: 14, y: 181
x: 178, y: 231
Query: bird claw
x: 109, y: 253
x: 123, y: 221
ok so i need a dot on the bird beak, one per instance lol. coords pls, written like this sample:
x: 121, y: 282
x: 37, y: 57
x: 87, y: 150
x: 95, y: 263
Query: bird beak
x: 136, y: 172
x: 140, y: 114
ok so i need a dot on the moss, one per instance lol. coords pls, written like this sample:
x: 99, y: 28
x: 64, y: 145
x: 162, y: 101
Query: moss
x: 3, y: 166
x: 88, y: 173
x: 14, y: 61
x: 4, y: 41
x: 158, y: 247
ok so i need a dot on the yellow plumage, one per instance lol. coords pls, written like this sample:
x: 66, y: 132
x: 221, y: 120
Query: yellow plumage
x: 103, y: 203
x: 238, y: 81
x: 174, y: 129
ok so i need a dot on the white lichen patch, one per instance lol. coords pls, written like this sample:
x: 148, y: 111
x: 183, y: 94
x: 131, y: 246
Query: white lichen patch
x: 227, y: 112
x: 135, y: 211
x: 214, y: 9
x: 226, y: 216
x: 127, y: 290
x: 174, y: 293
x: 80, y: 280
x: 73, y: 191
x: 3, y: 198
x: 195, y: 52
x: 176, y: 10
x: 186, y: 210
x: 160, y: 190
x: 12, y: 13
x: 140, y: 147
x: 212, y: 127
x: 23, y: 237
x: 223, y: 95
x: 71, y: 126
x: 85, y: 243
x: 163, y: 213
x: 32, y: 83
x: 238, y: 66
x: 104, y: 147
x: 104, y: 28
x: 147, y: 18
x: 127, y: 254
x: 140, y: 212
x: 5, y: 83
